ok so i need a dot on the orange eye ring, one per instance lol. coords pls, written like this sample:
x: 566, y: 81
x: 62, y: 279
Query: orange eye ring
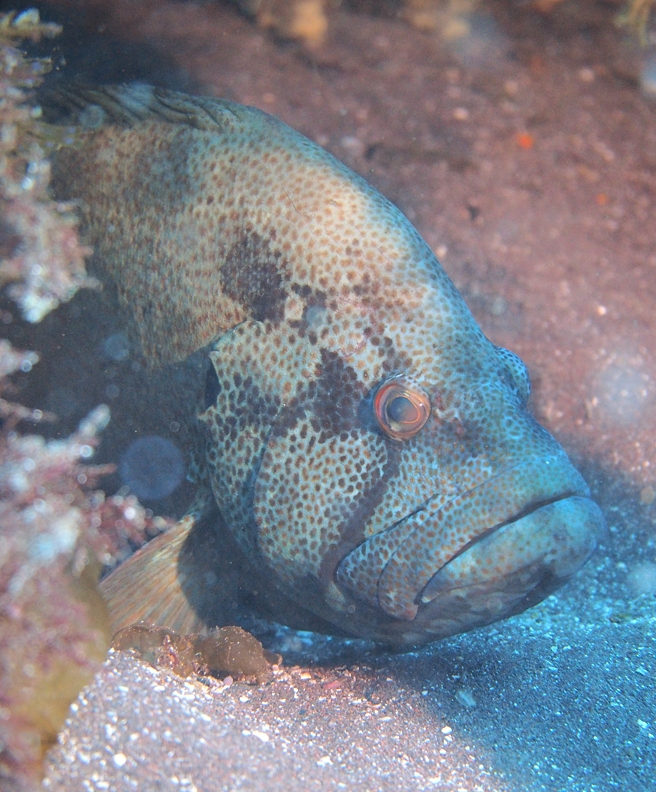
x: 401, y: 407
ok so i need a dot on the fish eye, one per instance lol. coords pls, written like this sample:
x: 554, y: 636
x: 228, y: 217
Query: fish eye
x: 401, y: 408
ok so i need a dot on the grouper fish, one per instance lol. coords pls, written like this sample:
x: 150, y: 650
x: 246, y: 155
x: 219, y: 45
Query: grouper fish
x: 365, y: 459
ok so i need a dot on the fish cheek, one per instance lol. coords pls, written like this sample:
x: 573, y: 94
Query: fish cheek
x: 322, y: 475
x: 312, y: 495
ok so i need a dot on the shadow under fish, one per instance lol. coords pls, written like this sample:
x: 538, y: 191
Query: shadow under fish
x: 365, y: 459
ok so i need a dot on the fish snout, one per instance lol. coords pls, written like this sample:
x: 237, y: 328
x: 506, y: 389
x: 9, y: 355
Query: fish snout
x: 488, y: 553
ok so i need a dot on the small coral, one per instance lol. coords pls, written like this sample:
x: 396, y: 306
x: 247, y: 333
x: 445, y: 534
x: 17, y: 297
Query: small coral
x: 13, y: 360
x: 50, y: 640
x: 304, y: 20
x: 39, y: 248
x: 450, y: 18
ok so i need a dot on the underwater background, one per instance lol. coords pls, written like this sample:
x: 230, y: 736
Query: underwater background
x: 520, y: 139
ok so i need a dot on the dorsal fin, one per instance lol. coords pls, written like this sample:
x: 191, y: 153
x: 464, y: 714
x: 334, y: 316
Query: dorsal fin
x: 129, y: 104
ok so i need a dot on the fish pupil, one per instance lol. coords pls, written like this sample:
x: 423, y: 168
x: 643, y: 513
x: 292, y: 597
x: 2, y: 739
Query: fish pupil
x: 402, y: 410
x: 212, y: 387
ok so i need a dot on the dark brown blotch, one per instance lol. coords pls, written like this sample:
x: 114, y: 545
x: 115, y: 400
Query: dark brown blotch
x: 331, y: 402
x: 255, y: 276
x: 335, y: 395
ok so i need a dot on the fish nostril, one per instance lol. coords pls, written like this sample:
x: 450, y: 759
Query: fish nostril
x: 517, y: 373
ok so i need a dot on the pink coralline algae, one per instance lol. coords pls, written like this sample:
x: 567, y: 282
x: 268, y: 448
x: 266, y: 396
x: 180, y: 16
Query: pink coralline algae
x: 54, y: 628
x: 55, y: 531
x: 55, y: 534
x: 39, y: 248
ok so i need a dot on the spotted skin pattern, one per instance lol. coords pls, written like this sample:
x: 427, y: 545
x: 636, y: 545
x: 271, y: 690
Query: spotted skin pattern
x: 223, y: 229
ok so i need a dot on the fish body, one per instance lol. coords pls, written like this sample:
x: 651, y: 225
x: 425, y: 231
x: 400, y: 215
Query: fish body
x: 367, y: 452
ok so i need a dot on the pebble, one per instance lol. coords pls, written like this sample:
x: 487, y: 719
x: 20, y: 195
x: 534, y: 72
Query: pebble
x: 465, y: 697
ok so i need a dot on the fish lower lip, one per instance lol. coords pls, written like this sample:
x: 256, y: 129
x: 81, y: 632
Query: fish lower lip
x: 539, y: 549
x: 392, y: 570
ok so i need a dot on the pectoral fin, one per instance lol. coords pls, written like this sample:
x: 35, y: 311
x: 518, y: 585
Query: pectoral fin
x: 184, y: 579
x: 147, y: 587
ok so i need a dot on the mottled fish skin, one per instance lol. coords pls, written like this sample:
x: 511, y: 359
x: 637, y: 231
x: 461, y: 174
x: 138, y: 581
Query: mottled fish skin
x: 225, y: 230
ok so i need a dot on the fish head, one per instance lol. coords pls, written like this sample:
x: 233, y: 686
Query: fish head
x: 396, y: 486
x: 373, y: 452
x: 501, y: 518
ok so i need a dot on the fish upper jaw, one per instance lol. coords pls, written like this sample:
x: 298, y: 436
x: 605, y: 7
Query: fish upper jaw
x: 545, y: 546
x: 513, y: 538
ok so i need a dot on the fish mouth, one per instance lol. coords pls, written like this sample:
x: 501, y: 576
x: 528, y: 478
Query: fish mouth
x: 512, y: 566
x: 488, y: 553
